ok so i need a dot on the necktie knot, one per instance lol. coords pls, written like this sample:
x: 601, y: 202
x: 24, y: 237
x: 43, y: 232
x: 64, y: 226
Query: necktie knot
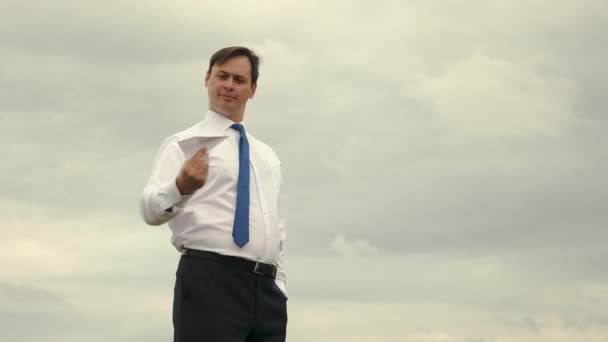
x: 239, y: 128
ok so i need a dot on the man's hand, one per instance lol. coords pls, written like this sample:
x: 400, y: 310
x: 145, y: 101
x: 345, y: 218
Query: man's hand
x: 193, y: 174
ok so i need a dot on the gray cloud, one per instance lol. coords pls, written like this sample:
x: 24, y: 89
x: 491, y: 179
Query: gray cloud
x: 446, y: 144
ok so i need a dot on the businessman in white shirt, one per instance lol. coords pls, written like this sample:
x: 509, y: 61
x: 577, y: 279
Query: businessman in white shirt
x: 218, y: 189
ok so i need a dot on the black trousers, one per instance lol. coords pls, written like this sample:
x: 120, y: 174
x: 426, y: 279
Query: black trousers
x: 217, y: 302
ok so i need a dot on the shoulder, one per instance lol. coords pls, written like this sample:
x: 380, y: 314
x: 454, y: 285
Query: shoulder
x: 190, y: 132
x: 171, y: 143
x: 264, y: 149
x: 185, y: 134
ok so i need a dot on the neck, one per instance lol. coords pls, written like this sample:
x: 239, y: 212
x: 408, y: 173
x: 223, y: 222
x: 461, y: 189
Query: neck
x: 236, y: 117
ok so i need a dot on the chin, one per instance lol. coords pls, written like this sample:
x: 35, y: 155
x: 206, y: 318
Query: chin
x: 227, y: 112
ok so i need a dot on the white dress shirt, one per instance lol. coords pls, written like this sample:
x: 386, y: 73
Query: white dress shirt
x: 204, y: 220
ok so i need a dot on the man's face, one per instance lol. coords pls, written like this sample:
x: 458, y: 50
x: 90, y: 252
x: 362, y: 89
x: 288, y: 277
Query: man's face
x: 229, y: 87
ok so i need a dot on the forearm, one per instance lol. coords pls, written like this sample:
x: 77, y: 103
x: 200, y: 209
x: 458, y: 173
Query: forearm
x: 159, y: 204
x: 281, y: 278
x: 161, y: 200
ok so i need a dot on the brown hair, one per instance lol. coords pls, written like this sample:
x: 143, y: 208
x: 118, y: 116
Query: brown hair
x: 223, y: 55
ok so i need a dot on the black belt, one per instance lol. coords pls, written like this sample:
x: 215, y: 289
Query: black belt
x: 249, y: 265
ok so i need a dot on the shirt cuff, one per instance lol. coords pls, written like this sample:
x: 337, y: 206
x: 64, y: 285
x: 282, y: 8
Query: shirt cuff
x: 171, y: 197
x: 282, y: 286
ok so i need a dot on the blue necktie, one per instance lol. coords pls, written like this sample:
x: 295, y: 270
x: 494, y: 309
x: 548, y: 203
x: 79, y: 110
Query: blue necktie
x: 240, y: 231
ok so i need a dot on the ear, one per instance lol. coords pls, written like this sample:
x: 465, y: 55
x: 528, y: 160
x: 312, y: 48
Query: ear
x: 253, y: 88
x: 207, y: 78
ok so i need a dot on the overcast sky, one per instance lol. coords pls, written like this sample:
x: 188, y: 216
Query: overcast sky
x: 444, y: 162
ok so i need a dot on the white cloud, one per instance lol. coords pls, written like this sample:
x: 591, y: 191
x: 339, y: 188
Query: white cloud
x: 352, y: 248
x: 442, y: 162
x: 483, y: 96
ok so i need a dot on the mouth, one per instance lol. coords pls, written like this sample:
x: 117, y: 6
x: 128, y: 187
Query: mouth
x: 227, y: 97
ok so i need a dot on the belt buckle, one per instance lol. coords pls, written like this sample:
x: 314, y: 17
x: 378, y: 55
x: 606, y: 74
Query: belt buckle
x: 255, y: 268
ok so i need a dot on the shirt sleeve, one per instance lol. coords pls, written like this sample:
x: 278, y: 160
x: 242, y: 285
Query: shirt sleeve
x: 281, y: 278
x: 161, y: 200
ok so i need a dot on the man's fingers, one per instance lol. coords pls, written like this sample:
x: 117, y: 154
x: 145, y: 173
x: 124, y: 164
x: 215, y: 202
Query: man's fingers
x: 199, y: 155
x: 195, y: 169
x: 201, y: 152
x: 200, y: 163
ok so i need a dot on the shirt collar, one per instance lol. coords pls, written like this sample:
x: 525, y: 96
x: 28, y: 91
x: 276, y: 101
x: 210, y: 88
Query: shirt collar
x: 219, y: 122
x: 214, y: 125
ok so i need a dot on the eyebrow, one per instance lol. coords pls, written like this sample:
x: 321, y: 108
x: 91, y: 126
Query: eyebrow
x: 229, y: 74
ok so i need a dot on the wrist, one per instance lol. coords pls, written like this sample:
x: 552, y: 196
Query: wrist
x: 180, y: 186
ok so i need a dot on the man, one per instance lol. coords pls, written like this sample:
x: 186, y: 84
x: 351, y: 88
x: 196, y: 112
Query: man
x: 218, y: 188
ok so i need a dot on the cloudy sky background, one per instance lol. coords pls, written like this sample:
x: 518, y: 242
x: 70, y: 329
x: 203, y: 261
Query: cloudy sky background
x: 445, y: 163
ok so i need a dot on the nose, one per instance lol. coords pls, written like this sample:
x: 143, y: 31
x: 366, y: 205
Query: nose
x: 229, y: 84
